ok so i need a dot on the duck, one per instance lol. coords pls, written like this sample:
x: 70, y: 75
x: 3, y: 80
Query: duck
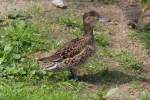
x: 75, y: 52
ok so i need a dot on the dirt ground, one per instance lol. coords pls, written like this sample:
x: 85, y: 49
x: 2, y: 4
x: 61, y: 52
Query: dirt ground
x: 120, y: 39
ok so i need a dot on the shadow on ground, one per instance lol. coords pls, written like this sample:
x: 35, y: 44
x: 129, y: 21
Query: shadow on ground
x: 112, y: 77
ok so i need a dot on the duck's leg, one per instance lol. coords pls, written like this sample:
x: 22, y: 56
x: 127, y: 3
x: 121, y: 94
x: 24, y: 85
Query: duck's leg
x: 75, y: 73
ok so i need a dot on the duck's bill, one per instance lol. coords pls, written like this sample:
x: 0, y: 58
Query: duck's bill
x: 103, y: 19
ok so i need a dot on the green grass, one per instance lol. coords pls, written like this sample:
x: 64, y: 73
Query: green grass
x: 17, y: 42
x: 144, y: 35
x: 145, y: 3
x: 101, y: 39
x: 70, y: 21
x: 145, y: 95
x: 28, y: 91
x: 129, y: 62
x: 107, y: 1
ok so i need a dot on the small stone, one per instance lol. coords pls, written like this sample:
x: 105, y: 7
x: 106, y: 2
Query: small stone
x: 59, y: 3
x: 117, y: 94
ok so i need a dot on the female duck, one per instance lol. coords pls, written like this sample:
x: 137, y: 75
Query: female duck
x: 75, y: 52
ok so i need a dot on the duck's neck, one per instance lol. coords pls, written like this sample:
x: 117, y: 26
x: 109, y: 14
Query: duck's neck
x: 88, y: 29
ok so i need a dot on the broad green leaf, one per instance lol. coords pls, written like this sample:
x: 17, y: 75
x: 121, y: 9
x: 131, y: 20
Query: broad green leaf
x: 7, y: 48
x: 1, y: 60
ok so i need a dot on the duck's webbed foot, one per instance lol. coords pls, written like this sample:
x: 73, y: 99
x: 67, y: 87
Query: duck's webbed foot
x: 75, y: 74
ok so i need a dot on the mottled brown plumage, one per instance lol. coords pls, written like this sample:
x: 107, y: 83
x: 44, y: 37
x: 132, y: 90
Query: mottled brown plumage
x: 74, y: 52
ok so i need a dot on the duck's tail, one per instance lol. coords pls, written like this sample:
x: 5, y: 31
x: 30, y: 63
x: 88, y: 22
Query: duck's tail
x: 51, y: 66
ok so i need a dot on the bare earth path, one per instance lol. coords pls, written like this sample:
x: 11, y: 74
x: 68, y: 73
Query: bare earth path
x: 122, y: 42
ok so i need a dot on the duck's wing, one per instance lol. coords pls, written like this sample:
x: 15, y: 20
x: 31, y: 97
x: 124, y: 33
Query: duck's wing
x: 81, y: 57
x: 69, y: 49
x: 72, y: 61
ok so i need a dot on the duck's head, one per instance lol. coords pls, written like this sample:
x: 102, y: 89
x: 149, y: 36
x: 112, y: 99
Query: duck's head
x: 90, y: 17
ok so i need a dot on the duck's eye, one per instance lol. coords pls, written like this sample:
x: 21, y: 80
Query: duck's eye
x: 89, y: 19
